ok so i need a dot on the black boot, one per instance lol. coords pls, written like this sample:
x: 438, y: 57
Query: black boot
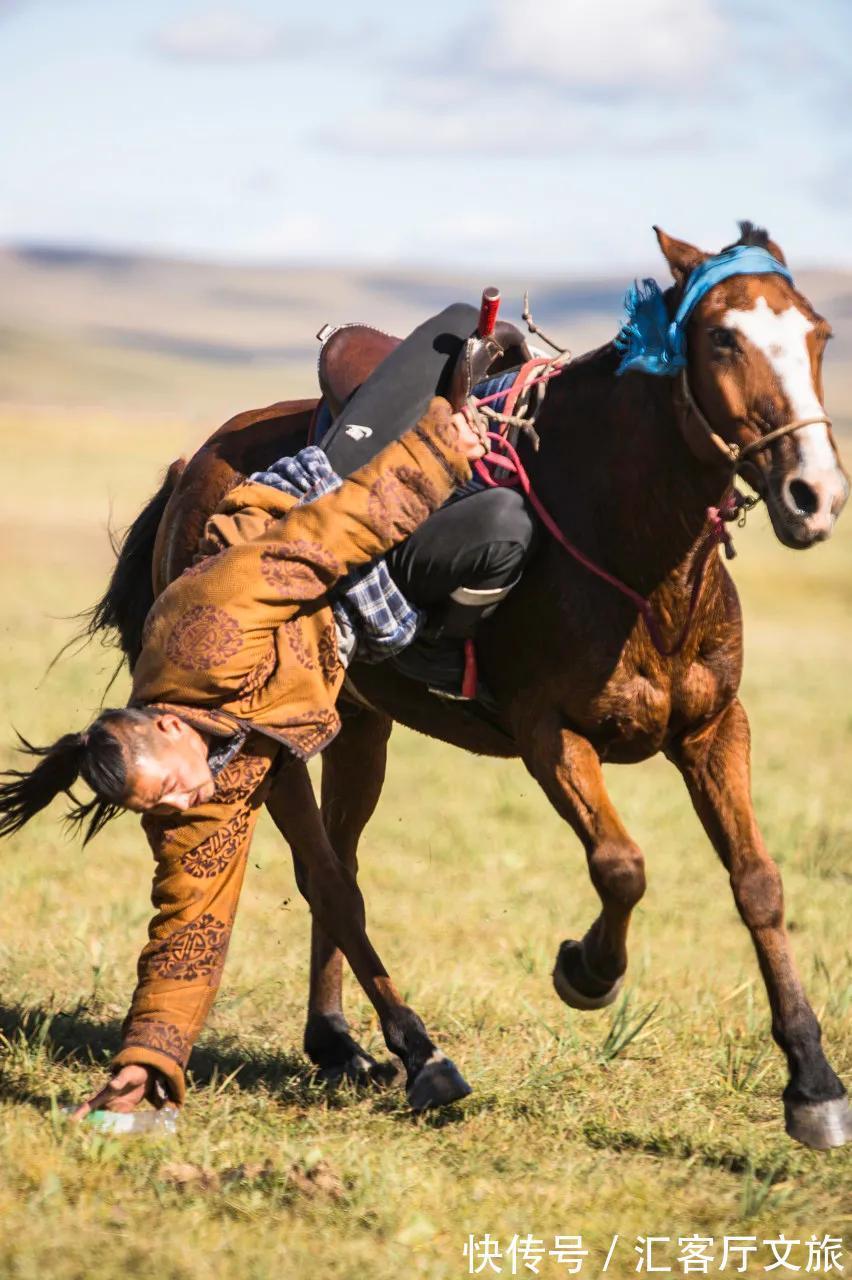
x: 438, y: 655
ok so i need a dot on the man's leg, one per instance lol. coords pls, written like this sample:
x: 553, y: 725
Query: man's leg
x: 200, y: 863
x: 463, y: 560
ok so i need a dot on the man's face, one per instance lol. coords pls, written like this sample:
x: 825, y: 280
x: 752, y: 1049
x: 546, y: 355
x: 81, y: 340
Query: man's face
x: 168, y: 771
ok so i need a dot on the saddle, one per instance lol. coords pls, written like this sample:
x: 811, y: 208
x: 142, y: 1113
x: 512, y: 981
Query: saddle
x: 351, y: 352
x: 349, y: 355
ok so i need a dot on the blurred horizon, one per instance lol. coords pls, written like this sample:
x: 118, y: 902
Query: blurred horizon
x: 652, y: 264
x: 199, y: 339
x: 62, y: 249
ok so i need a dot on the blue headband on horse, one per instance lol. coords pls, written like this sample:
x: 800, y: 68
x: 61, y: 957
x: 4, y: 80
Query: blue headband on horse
x: 652, y: 343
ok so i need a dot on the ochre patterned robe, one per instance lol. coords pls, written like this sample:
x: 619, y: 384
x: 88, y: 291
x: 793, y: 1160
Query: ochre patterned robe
x: 245, y: 638
x: 246, y: 634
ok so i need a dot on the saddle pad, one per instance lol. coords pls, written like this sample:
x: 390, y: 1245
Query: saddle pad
x: 323, y: 419
x: 501, y: 382
x: 320, y: 423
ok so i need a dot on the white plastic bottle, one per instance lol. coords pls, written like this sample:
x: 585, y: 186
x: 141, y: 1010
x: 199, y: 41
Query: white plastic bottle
x: 162, y: 1121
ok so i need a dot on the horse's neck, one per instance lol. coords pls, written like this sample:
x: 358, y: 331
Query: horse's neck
x: 616, y: 473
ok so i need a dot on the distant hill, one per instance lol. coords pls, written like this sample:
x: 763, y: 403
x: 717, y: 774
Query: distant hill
x: 80, y: 326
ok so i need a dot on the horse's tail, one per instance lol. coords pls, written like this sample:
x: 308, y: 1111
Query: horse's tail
x: 124, y: 606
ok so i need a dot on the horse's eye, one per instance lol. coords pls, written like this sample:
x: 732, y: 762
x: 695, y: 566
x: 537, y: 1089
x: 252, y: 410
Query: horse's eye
x: 723, y: 339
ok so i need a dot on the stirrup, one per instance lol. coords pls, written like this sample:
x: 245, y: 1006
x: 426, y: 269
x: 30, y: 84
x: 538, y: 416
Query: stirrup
x: 470, y: 677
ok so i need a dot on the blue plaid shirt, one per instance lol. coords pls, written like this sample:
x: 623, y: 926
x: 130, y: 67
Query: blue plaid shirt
x: 371, y: 613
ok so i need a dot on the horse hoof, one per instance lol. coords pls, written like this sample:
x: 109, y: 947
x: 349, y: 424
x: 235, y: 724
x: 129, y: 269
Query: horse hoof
x: 361, y: 1070
x: 819, y: 1124
x: 436, y: 1084
x: 577, y: 985
x: 337, y: 1057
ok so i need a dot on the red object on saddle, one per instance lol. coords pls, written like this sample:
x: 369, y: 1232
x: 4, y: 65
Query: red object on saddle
x: 488, y: 309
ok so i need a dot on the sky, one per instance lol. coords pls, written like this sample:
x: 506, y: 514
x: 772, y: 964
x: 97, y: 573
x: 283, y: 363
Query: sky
x: 479, y: 134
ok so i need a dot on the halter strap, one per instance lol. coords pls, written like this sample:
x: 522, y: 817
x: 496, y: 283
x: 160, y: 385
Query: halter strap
x: 731, y: 452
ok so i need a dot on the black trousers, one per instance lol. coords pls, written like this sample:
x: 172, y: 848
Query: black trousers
x: 481, y: 540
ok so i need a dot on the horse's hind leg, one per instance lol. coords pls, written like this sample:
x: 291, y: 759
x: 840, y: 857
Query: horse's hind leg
x: 589, y: 974
x: 338, y: 909
x: 714, y: 762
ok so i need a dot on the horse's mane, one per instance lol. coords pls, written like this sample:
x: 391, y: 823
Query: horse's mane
x: 752, y: 235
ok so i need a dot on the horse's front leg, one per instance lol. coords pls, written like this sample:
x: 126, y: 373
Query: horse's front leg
x: 338, y: 909
x: 714, y: 762
x: 589, y: 974
x: 327, y: 1040
x: 353, y: 774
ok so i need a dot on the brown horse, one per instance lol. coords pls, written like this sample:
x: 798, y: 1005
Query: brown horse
x: 628, y: 467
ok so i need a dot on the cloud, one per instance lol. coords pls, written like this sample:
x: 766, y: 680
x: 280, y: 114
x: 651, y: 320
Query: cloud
x: 569, y: 77
x: 412, y: 132
x: 613, y: 46
x: 423, y: 131
x: 221, y: 35
x: 228, y: 35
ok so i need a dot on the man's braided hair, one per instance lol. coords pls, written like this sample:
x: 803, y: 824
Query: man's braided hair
x: 97, y: 755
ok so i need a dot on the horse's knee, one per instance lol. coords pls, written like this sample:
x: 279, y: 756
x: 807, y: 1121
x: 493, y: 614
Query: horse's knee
x: 618, y: 872
x: 758, y: 893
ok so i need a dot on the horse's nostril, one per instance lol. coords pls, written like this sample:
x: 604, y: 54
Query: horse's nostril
x: 805, y: 497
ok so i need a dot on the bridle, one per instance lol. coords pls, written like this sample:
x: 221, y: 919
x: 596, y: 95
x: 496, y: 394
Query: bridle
x: 731, y: 452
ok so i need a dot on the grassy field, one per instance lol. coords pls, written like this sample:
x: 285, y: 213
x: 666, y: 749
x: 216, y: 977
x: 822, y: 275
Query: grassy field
x: 471, y: 882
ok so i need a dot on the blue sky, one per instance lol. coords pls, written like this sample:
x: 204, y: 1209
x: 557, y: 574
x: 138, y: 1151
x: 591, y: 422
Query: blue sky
x: 492, y: 134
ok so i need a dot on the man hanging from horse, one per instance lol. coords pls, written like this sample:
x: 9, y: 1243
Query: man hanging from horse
x: 240, y: 669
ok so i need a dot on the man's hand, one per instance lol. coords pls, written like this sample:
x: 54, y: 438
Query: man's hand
x: 472, y: 439
x: 123, y: 1092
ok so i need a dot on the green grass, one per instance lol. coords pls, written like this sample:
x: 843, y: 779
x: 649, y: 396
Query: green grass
x: 661, y: 1116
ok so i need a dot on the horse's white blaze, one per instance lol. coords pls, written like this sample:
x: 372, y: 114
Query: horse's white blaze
x: 781, y: 336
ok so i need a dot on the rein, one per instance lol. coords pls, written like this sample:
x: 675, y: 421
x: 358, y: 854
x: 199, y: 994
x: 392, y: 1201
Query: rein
x: 507, y: 461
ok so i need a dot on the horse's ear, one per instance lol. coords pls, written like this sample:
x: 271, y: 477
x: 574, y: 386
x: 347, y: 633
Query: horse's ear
x: 682, y: 258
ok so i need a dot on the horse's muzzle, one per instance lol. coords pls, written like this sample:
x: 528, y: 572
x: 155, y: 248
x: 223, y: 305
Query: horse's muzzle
x: 804, y: 505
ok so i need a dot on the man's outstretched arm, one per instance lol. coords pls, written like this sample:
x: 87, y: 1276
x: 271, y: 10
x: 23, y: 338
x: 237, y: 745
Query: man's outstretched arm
x: 200, y: 860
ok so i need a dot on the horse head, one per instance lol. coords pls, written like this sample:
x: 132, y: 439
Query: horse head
x: 754, y: 350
